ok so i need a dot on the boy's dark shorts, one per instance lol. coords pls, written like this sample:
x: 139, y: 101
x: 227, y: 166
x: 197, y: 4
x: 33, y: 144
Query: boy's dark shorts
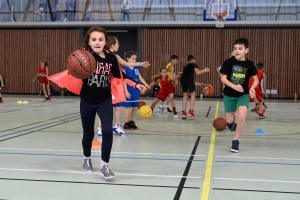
x: 188, y: 87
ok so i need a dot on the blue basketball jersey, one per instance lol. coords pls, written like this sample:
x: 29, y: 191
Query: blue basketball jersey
x: 134, y: 74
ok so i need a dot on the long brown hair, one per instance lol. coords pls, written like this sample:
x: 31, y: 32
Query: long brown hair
x: 88, y: 35
x: 111, y: 40
x: 156, y: 77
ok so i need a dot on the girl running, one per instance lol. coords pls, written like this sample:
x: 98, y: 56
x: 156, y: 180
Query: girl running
x: 42, y: 76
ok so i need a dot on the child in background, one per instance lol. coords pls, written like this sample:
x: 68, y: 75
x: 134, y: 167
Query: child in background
x: 43, y: 74
x: 113, y: 45
x: 170, y: 68
x: 132, y: 94
x: 166, y: 89
x: 260, y: 108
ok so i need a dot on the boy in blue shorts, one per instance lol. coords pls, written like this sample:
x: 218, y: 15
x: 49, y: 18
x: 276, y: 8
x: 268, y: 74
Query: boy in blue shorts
x: 132, y: 94
x: 236, y: 72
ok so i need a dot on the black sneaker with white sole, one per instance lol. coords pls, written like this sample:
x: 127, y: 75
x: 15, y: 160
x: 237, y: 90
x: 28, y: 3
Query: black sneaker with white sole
x: 232, y: 127
x: 235, y: 146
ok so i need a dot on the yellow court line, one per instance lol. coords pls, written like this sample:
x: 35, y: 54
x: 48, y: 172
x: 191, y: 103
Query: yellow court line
x: 210, y: 158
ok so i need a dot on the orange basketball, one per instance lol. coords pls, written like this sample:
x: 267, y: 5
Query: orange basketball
x: 219, y: 124
x: 179, y: 74
x: 81, y: 64
x: 208, y: 90
x: 142, y: 103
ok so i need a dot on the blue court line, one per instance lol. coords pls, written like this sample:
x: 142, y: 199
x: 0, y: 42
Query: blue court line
x: 259, y: 163
x: 20, y: 131
x: 120, y: 157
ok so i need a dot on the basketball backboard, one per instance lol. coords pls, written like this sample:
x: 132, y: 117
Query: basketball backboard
x: 220, y: 6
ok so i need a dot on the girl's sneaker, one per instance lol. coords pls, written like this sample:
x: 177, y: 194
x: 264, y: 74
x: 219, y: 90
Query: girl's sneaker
x: 132, y: 125
x: 118, y: 130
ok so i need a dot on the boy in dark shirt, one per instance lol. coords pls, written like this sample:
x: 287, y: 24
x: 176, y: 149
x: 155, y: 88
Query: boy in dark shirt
x: 188, y: 85
x: 236, y: 72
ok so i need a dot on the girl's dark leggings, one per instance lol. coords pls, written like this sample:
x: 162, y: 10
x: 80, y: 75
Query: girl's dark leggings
x: 88, y: 112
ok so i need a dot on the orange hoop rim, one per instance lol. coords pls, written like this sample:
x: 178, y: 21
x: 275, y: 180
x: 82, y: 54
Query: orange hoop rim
x: 220, y: 14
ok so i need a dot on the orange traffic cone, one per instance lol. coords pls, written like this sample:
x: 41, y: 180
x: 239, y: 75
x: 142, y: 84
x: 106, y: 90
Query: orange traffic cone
x: 96, y: 143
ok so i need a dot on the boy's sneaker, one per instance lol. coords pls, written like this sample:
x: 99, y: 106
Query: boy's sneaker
x: 168, y: 110
x: 87, y: 165
x: 132, y: 125
x: 175, y: 114
x: 235, y: 146
x: 183, y: 115
x: 106, y: 172
x: 127, y: 126
x: 99, y: 131
x: 118, y: 130
x: 233, y: 128
x: 191, y: 114
x: 160, y: 109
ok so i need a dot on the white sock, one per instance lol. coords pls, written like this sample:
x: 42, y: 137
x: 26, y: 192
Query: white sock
x: 103, y: 163
x: 86, y: 157
x: 115, y: 125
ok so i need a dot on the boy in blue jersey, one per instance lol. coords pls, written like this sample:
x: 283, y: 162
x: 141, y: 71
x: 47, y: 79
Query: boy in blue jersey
x: 132, y: 94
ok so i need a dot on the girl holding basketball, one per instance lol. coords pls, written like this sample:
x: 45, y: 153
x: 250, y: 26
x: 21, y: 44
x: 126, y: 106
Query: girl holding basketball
x: 96, y: 97
x: 166, y: 90
x: 113, y: 46
x: 42, y: 76
x: 132, y: 94
x: 1, y: 86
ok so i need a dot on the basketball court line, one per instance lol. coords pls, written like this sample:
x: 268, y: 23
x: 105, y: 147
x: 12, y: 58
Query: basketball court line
x: 98, y: 172
x: 41, y: 121
x: 186, y: 170
x: 172, y: 134
x: 166, y: 123
x: 210, y: 158
x: 256, y: 180
x: 42, y: 125
x: 262, y: 158
x: 257, y: 163
x: 116, y: 157
x: 80, y: 151
x: 95, y: 183
x: 27, y: 106
x: 63, y: 122
x: 261, y: 191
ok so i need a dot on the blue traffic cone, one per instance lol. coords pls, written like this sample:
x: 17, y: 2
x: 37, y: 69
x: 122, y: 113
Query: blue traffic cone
x: 260, y: 132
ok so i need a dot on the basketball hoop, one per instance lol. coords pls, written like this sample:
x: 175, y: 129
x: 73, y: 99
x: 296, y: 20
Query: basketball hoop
x: 220, y: 19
